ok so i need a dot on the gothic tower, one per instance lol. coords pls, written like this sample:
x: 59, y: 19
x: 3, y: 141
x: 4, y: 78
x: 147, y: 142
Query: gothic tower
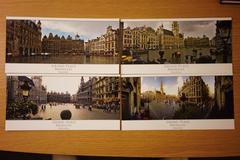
x: 37, y: 80
x: 161, y: 88
x: 175, y: 28
x: 160, y: 34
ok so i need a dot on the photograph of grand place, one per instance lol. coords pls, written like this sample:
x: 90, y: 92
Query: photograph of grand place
x: 176, y: 42
x: 62, y: 41
x: 163, y: 98
x: 71, y: 98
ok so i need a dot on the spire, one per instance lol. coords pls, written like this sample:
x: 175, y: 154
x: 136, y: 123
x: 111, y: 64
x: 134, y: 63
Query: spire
x: 82, y: 80
x: 161, y: 88
x: 175, y: 28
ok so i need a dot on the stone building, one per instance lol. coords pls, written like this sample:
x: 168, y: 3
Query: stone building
x: 98, y: 90
x: 58, y: 97
x: 84, y: 93
x: 197, y: 42
x: 131, y: 96
x: 105, y: 90
x: 61, y: 45
x: 127, y: 38
x: 223, y: 41
x: 23, y: 37
x: 142, y: 38
x: 111, y: 41
x: 170, y: 39
x: 14, y: 92
x: 195, y: 90
x: 96, y: 46
x: 37, y: 93
x: 224, y: 93
x: 106, y: 44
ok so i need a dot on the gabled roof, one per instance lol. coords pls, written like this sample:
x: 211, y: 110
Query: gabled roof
x: 167, y: 32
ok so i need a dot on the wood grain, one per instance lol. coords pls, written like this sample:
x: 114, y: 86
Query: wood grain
x: 123, y: 143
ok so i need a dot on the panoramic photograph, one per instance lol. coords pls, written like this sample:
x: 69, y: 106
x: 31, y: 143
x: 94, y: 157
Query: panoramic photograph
x: 62, y: 41
x: 176, y: 42
x: 71, y: 98
x: 182, y: 97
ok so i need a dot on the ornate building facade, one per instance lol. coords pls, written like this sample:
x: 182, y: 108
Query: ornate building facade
x: 106, y: 44
x: 131, y: 96
x: 191, y: 42
x: 84, y: 93
x: 195, y: 90
x: 37, y: 93
x: 105, y: 89
x: 224, y: 93
x: 61, y: 45
x: 23, y: 37
x: 223, y: 41
x: 141, y: 38
x: 98, y: 90
x: 58, y: 97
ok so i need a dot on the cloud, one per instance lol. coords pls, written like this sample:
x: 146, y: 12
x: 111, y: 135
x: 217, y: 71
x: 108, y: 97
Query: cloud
x: 198, y: 28
x: 147, y: 87
x: 188, y: 28
x: 179, y: 82
x: 86, y: 29
x: 171, y: 89
x: 153, y: 24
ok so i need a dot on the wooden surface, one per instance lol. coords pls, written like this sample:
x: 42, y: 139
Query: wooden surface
x: 123, y: 143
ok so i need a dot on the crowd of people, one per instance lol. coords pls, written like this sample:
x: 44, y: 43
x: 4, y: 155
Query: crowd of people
x: 109, y: 107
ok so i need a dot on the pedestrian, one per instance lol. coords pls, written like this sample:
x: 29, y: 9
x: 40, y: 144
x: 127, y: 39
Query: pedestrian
x: 90, y: 108
x: 178, y: 56
x: 113, y: 107
x: 183, y: 98
x: 161, y: 54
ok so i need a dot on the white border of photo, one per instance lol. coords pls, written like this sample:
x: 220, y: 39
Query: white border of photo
x: 188, y: 124
x: 21, y: 125
x: 74, y: 69
x: 177, y: 69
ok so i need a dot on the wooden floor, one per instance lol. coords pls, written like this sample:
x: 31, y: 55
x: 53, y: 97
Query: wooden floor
x: 123, y: 143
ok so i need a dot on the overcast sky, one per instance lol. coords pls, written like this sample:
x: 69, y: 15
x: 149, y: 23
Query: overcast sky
x: 171, y: 84
x: 188, y: 28
x: 62, y: 84
x: 86, y: 29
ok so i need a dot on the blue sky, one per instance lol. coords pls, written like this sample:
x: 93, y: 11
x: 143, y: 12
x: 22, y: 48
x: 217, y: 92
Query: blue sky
x: 171, y: 84
x: 86, y: 29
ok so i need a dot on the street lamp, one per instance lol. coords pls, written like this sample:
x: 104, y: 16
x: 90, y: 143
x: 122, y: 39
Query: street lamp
x: 25, y: 90
x: 224, y: 30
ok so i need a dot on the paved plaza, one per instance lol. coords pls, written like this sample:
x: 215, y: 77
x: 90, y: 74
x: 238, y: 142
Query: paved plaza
x: 63, y: 59
x: 161, y: 110
x: 53, y: 113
